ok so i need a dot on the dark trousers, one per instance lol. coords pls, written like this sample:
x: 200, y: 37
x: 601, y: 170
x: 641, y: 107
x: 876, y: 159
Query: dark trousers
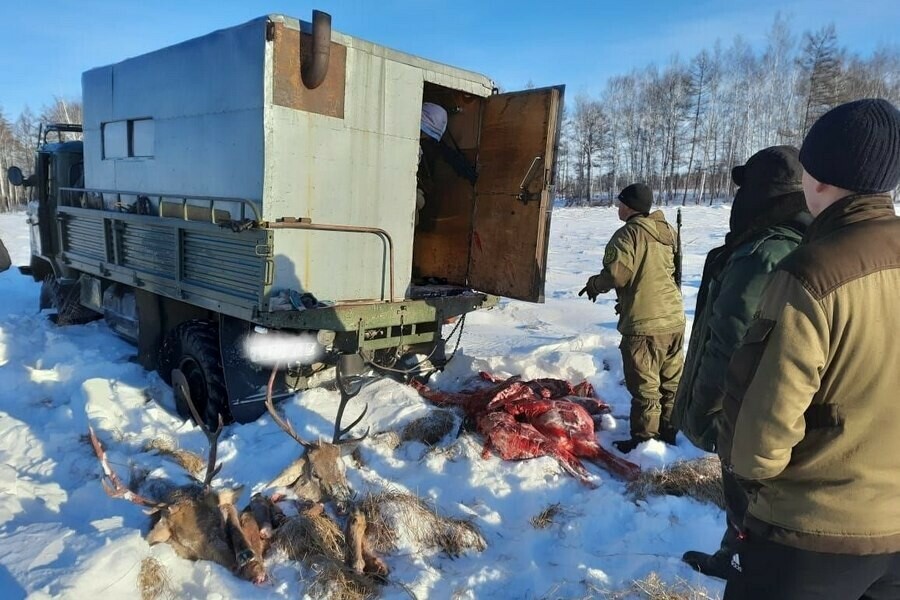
x: 652, y: 366
x: 773, y: 571
x: 736, y: 501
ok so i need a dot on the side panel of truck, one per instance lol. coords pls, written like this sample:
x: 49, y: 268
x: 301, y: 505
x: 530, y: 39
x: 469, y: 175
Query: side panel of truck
x: 204, y: 102
x: 216, y: 116
x: 198, y: 263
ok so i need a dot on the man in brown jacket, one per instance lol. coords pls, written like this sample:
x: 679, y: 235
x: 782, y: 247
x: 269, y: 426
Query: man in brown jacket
x: 639, y: 263
x: 813, y: 393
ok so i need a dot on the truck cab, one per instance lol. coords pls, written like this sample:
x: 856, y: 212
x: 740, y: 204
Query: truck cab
x: 59, y: 163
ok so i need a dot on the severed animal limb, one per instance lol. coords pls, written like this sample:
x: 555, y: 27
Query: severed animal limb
x: 360, y: 556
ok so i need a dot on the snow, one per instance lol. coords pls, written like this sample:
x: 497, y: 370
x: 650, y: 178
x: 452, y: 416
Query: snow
x: 61, y: 536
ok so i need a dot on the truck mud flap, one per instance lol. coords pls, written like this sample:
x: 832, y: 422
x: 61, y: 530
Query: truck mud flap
x: 245, y: 381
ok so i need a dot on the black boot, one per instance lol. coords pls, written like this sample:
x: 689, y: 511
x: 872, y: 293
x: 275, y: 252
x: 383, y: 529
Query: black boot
x: 626, y: 446
x: 714, y: 565
x: 668, y: 436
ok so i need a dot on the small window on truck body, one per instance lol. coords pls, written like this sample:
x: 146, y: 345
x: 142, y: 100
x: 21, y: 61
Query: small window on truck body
x: 141, y: 133
x: 115, y: 140
x: 132, y: 138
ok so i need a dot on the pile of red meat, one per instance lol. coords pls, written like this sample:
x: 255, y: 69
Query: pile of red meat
x: 542, y: 417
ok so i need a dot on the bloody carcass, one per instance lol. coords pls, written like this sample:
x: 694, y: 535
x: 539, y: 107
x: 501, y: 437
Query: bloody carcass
x: 542, y: 417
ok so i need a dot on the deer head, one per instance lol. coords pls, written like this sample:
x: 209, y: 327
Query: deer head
x: 319, y: 474
x: 198, y: 521
x: 199, y: 525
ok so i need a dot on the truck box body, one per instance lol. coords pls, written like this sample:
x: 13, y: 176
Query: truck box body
x: 227, y: 115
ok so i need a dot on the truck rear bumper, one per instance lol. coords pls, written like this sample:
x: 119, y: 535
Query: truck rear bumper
x: 377, y: 325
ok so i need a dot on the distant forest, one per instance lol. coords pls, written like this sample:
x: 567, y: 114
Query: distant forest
x: 680, y: 127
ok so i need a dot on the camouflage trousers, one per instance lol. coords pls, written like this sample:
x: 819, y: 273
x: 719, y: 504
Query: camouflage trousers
x: 652, y: 365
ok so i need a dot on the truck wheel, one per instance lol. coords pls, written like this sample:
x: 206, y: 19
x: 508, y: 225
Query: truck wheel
x: 193, y: 348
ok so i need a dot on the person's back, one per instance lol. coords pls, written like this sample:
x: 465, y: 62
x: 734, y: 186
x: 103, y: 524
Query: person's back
x: 812, y: 391
x: 841, y: 479
x: 639, y: 263
x: 650, y: 302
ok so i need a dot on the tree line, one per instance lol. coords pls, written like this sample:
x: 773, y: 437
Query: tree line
x: 19, y: 139
x: 682, y: 126
x: 679, y: 127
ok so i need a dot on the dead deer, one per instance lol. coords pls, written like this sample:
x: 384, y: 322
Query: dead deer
x: 202, y: 523
x: 199, y: 522
x: 319, y: 476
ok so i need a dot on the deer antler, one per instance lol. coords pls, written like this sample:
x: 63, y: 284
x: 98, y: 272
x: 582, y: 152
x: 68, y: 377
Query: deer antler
x: 281, y: 422
x: 112, y: 485
x: 212, y: 469
x: 346, y: 396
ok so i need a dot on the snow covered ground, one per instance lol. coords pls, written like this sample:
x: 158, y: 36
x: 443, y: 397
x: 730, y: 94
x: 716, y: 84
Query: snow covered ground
x: 62, y: 537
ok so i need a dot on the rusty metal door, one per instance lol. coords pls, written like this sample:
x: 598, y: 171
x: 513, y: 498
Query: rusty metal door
x: 513, y: 195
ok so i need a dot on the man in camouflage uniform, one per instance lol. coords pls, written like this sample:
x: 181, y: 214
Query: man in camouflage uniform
x: 639, y: 263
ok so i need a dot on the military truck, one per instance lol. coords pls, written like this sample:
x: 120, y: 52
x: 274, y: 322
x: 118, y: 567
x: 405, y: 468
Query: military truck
x: 262, y: 179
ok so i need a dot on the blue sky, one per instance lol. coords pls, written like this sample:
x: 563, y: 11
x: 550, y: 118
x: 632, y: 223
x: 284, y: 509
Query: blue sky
x: 47, y: 44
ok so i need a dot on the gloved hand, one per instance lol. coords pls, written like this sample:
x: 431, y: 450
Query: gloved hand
x: 592, y: 288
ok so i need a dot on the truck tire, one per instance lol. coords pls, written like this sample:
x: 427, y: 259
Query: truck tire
x: 193, y: 348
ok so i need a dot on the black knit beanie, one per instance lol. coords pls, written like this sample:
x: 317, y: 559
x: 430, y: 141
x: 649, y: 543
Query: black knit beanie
x: 855, y: 146
x: 637, y: 196
x: 770, y: 177
x: 772, y: 171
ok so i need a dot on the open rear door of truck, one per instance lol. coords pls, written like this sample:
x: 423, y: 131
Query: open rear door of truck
x: 513, y: 195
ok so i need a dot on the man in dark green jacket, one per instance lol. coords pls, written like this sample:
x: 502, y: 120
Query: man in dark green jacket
x: 639, y: 263
x: 768, y: 218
